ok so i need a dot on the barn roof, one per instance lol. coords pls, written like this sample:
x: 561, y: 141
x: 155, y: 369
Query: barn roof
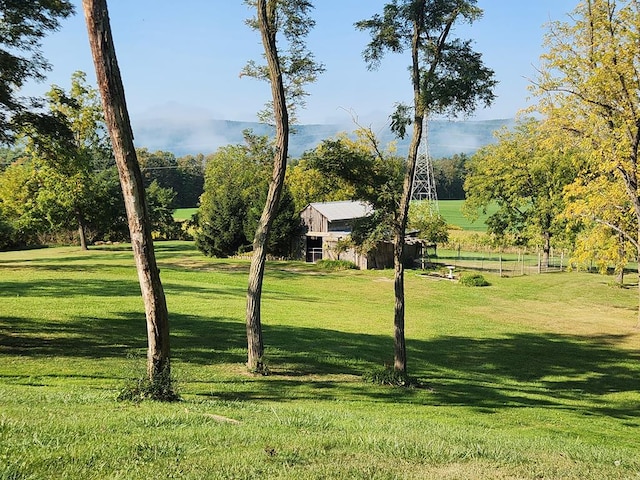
x: 344, y: 210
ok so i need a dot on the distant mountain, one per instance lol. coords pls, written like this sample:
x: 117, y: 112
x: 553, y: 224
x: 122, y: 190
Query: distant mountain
x: 193, y: 136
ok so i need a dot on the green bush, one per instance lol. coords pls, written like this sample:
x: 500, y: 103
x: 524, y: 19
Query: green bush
x: 473, y: 280
x: 336, y: 265
x: 389, y: 376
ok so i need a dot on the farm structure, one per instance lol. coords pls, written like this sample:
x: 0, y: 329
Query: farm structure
x: 328, y: 224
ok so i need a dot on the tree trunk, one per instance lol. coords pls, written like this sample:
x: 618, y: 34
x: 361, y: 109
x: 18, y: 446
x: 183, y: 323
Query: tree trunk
x: 546, y: 249
x: 266, y: 23
x: 621, y: 255
x: 82, y: 229
x: 400, y: 349
x: 119, y: 126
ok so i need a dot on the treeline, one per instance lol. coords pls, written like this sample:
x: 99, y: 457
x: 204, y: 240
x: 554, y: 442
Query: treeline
x: 61, y: 190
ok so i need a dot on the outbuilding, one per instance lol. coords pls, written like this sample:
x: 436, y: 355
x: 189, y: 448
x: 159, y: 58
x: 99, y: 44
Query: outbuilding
x: 329, y: 223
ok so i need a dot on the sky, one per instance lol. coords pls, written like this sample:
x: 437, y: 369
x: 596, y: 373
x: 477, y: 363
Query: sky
x: 181, y: 60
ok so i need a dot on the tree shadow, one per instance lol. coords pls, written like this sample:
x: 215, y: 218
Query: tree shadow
x: 516, y: 370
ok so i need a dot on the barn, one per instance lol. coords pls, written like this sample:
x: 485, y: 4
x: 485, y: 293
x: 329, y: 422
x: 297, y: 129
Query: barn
x: 327, y: 223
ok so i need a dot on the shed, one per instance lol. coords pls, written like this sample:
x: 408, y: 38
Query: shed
x: 327, y: 223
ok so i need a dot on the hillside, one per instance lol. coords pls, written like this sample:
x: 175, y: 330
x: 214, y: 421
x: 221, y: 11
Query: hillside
x: 207, y: 135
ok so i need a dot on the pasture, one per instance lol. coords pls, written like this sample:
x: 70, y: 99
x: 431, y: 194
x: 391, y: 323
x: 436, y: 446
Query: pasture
x: 451, y: 210
x: 533, y: 377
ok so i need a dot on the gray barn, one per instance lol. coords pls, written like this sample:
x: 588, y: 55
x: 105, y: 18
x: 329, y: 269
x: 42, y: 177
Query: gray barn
x: 329, y: 222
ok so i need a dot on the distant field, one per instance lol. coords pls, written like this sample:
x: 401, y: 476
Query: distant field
x: 449, y: 209
x: 182, y: 214
x: 452, y: 213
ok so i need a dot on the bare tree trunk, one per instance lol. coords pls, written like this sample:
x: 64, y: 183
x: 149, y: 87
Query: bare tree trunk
x: 82, y: 229
x: 119, y: 126
x: 266, y: 23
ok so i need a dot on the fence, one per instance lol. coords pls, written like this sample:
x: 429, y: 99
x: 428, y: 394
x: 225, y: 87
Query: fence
x: 502, y: 264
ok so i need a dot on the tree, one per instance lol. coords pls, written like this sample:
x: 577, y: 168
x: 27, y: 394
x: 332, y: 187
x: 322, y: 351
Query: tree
x: 432, y: 227
x: 308, y: 184
x: 119, y: 127
x: 589, y: 86
x: 24, y: 24
x: 449, y: 174
x: 236, y: 182
x: 161, y: 203
x: 74, y: 152
x: 19, y: 187
x: 599, y: 207
x: 223, y: 208
x: 525, y: 174
x: 190, y: 172
x: 447, y: 77
x: 287, y: 75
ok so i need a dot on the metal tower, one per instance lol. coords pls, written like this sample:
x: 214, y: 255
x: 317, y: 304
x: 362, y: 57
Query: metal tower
x: 424, y: 184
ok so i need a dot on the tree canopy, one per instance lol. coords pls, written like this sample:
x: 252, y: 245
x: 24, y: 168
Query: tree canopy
x: 236, y: 180
x: 524, y: 174
x: 589, y: 87
x: 24, y: 25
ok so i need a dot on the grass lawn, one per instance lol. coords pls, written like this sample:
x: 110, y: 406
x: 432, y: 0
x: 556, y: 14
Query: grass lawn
x: 451, y: 211
x: 181, y: 214
x: 533, y: 377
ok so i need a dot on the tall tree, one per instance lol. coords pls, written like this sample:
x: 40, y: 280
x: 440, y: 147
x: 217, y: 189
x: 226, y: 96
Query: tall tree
x: 589, y: 85
x: 119, y: 126
x: 74, y: 153
x: 23, y: 25
x: 524, y: 174
x: 287, y: 75
x: 447, y: 76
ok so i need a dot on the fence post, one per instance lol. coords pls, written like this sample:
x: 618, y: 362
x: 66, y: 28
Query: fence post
x: 539, y: 262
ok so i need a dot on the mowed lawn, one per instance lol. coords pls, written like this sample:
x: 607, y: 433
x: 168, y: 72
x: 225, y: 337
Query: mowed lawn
x: 533, y: 377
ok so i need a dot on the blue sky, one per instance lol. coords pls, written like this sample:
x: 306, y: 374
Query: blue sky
x: 182, y: 59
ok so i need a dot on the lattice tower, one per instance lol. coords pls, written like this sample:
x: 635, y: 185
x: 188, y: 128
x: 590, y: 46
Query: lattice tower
x: 424, y: 184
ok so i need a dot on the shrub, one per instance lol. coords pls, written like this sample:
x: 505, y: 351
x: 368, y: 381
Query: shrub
x: 161, y: 389
x: 473, y: 280
x: 389, y: 376
x: 336, y: 265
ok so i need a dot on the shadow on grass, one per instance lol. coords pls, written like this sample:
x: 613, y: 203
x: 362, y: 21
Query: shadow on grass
x: 518, y: 370
x: 100, y: 287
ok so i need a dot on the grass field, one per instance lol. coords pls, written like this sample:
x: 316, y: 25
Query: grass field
x: 182, y: 214
x: 534, y: 377
x: 449, y: 209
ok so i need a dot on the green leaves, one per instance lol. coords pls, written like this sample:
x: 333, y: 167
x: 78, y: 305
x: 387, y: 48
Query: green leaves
x: 23, y: 25
x: 447, y: 75
x: 525, y: 174
x: 236, y: 180
x: 290, y: 22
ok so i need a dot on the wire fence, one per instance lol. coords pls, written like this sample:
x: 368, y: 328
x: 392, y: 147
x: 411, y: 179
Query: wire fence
x: 507, y: 265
